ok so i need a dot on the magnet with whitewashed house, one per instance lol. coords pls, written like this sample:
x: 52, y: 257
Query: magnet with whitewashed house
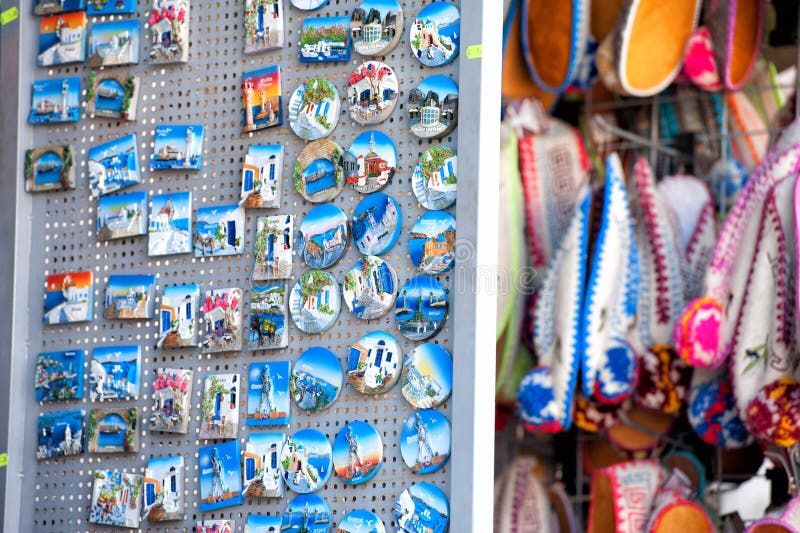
x: 435, y: 178
x: 376, y: 224
x: 50, y: 168
x: 370, y: 163
x: 370, y: 288
x: 357, y: 453
x: 372, y: 91
x: 262, y: 469
x: 115, y: 373
x: 307, y: 461
x: 267, y: 328
x: 222, y: 320
x: 422, y: 507
x: 268, y: 394
x: 112, y: 95
x: 434, y: 34
x: 113, y: 165
x: 68, y: 298
x: 169, y: 31
x: 170, y: 226
x: 172, y: 400
x: 263, y: 25
x: 121, y: 215
x: 261, y: 97
x: 219, y: 231
x: 323, y: 236
x: 427, y: 377
x: 55, y: 100
x: 220, y: 407
x: 433, y: 107
x: 314, y: 109
x: 129, y: 296
x: 62, y: 39
x: 178, y: 147
x: 376, y: 27
x: 262, y: 176
x: 273, y: 248
x: 178, y: 316
x: 114, y: 43
x: 163, y: 488
x: 116, y: 499
x: 374, y: 363
x: 315, y: 301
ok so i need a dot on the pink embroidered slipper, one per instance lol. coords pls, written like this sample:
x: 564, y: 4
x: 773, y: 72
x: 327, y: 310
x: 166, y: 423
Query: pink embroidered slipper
x: 699, y: 64
x: 736, y: 27
x: 771, y: 525
x: 621, y: 496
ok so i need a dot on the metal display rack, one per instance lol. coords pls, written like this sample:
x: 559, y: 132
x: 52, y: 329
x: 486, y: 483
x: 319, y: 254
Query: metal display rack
x: 55, y: 232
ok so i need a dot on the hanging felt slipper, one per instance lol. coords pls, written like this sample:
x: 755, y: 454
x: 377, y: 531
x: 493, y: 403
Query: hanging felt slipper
x: 792, y: 513
x: 604, y: 17
x: 664, y: 380
x: 641, y: 430
x: 546, y: 393
x: 594, y: 417
x: 712, y: 410
x: 691, y: 468
x: 749, y: 135
x: 736, y: 27
x: 771, y: 525
x: 609, y: 363
x: 599, y: 453
x: 621, y: 496
x: 672, y: 512
x: 525, y: 506
x: 554, y: 40
x: 563, y: 511
x: 699, y: 64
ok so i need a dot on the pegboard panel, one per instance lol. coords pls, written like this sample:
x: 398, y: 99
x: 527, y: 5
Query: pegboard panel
x: 207, y: 91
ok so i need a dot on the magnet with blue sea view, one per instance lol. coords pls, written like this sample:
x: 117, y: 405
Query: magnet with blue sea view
x: 267, y: 322
x: 325, y: 40
x: 435, y: 34
x: 62, y: 39
x: 268, y: 394
x: 315, y: 301
x: 262, y: 176
x: 273, y: 247
x: 371, y: 161
x: 422, y: 507
x: 261, y: 94
x: 51, y: 7
x: 219, y: 230
x: 307, y: 512
x: 435, y: 179
x: 112, y: 95
x: 114, y: 43
x: 374, y: 363
x: 372, y: 90
x: 263, y: 25
x: 308, y: 5
x: 314, y: 109
x: 257, y: 523
x: 68, y: 298
x: 59, y: 376
x: 220, y: 475
x: 433, y: 107
x: 376, y: 224
x: 129, y: 296
x: 421, y: 308
x: 263, y: 472
x: 216, y: 526
x: 121, y: 215
x: 357, y: 453
x: 376, y: 27
x: 178, y: 147
x: 170, y: 225
x: 115, y: 373
x: 307, y: 461
x: 432, y: 242
x: 117, y: 430
x: 169, y: 31
x: 318, y: 174
x: 177, y: 316
x: 55, y: 100
x: 361, y: 521
x: 163, y: 488
x: 60, y: 434
x: 370, y: 288
x: 50, y: 168
x: 113, y: 165
x: 109, y: 7
x: 425, y: 441
x: 316, y: 380
x: 427, y: 378
x: 323, y: 236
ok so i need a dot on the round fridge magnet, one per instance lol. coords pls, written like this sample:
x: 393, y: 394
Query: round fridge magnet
x: 421, y: 308
x: 425, y: 441
x: 314, y: 109
x: 371, y: 93
x: 357, y: 453
x: 323, y: 236
x: 432, y: 242
x: 306, y: 512
x: 433, y: 107
x: 434, y: 34
x: 427, y: 377
x: 307, y: 460
x: 370, y: 288
x: 362, y: 521
x: 376, y: 224
x: 422, y: 507
x: 315, y: 302
x: 318, y: 174
x: 316, y: 379
x: 376, y: 27
x: 374, y: 363
x: 434, y: 181
x: 370, y: 163
x: 308, y: 5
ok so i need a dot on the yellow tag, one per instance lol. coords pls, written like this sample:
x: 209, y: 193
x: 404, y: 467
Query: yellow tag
x: 3, y: 459
x: 474, y: 51
x: 5, y: 17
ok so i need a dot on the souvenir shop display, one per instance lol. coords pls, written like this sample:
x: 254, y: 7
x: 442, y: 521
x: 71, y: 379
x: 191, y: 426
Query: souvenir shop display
x: 323, y: 236
x: 370, y: 288
x: 316, y: 380
x: 263, y: 469
x: 315, y: 301
x: 357, y: 453
x: 178, y: 148
x: 374, y: 363
x: 376, y: 27
x: 163, y: 489
x: 432, y: 107
x: 307, y: 461
x: 435, y: 34
x: 111, y: 95
x: 370, y: 162
x: 62, y: 39
x: 170, y: 224
x: 376, y: 224
x: 113, y: 430
x: 268, y: 394
x: 262, y: 176
x: 169, y: 31
x: 314, y: 109
x: 121, y: 215
x: 325, y: 40
x: 59, y: 376
x: 318, y: 173
x: 114, y: 43
x: 372, y: 91
x: 263, y: 25
x: 115, y: 373
x: 50, y: 168
x: 55, y: 100
x: 116, y: 499
x: 267, y: 323
x: 220, y: 475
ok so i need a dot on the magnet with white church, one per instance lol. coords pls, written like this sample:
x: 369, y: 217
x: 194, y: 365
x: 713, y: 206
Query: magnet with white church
x: 315, y: 302
x: 314, y: 109
x: 357, y: 453
x: 421, y: 308
x: 427, y: 377
x: 372, y: 90
x: 376, y: 27
x: 433, y: 107
x: 262, y: 176
x: 370, y: 288
x: 374, y: 363
x: 261, y: 96
x: 425, y: 441
x: 307, y: 462
x: 376, y: 224
x: 323, y: 236
x: 370, y: 163
x: 435, y: 180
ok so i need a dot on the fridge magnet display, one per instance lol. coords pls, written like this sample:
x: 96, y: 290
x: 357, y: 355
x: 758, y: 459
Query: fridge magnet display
x: 112, y: 96
x: 308, y: 5
x: 216, y: 526
x: 222, y: 319
x: 60, y: 434
x: 114, y: 43
x: 172, y: 400
x: 427, y: 378
x: 163, y: 489
x: 267, y: 329
x: 220, y: 476
x: 432, y: 242
x: 123, y: 215
x: 435, y: 178
x: 314, y: 109
x: 376, y: 224
x: 421, y: 308
x: 129, y: 296
x: 220, y: 406
x: 425, y: 441
x: 113, y: 165
x: 307, y: 512
x: 315, y: 302
x: 306, y: 461
x: 323, y: 236
x: 261, y: 94
x: 62, y: 39
x: 177, y: 316
x: 110, y: 7
x: 371, y: 93
x: 114, y: 373
x: 257, y: 523
x: 51, y: 7
x: 268, y: 394
x: 169, y: 31
x: 170, y: 224
x: 263, y: 25
x: 273, y: 247
x: 422, y: 507
x: 51, y: 168
x: 325, y: 40
x: 433, y: 107
x: 374, y: 363
x: 219, y: 230
x: 55, y: 100
x: 68, y: 298
x: 434, y: 34
x: 59, y: 376
x: 318, y: 174
x: 262, y: 176
x: 113, y: 430
x: 316, y: 380
x: 178, y: 148
x: 361, y: 521
x: 116, y: 499
x: 370, y: 163
x: 263, y: 472
x: 376, y: 27
x: 357, y: 453
x: 370, y: 288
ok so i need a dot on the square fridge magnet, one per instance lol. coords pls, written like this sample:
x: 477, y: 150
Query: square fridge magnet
x: 268, y: 394
x: 325, y: 40
x: 121, y: 215
x: 220, y: 476
x: 169, y: 31
x: 261, y: 95
x: 267, y: 330
x: 55, y: 100
x: 178, y: 148
x: 220, y: 406
x: 59, y: 376
x: 62, y: 39
x: 51, y: 7
x: 115, y: 373
x: 222, y: 320
x: 163, y: 489
x: 116, y: 499
x: 112, y: 95
x: 60, y: 434
x: 113, y: 430
x: 263, y: 25
x: 51, y: 168
x: 110, y: 7
x: 114, y: 43
x: 263, y: 471
x: 273, y: 247
x: 113, y: 165
x: 177, y: 316
x: 172, y: 399
x: 170, y: 225
x: 219, y: 231
x: 262, y: 176
x: 68, y: 298
x: 129, y: 296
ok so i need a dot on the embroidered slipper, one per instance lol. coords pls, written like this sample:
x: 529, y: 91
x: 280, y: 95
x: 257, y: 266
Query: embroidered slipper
x: 712, y: 410
x: 691, y: 468
x: 609, y: 364
x: 593, y: 416
x: 792, y: 513
x: 599, y: 453
x: 699, y: 64
x: 554, y: 40
x: 643, y: 433
x: 546, y: 393
x: 664, y: 380
x: 525, y: 507
x: 672, y: 512
x: 605, y: 14
x: 621, y: 496
x: 736, y: 28
x: 606, y: 62
x: 749, y: 135
x: 650, y: 41
x: 771, y: 525
x: 563, y: 510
